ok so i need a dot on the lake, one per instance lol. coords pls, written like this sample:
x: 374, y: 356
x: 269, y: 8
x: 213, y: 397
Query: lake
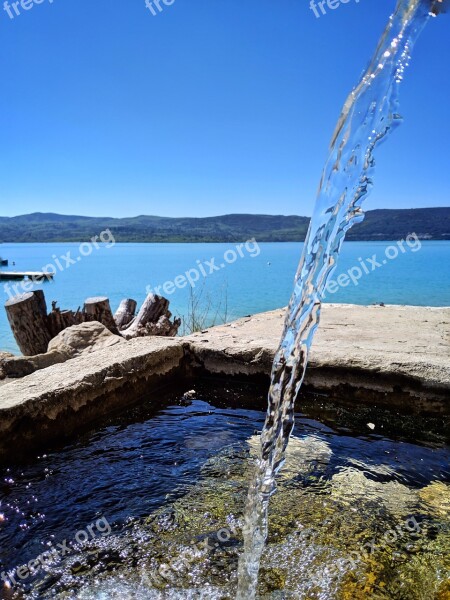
x: 230, y: 280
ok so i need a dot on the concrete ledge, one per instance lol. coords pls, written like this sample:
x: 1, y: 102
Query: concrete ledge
x: 58, y: 401
x: 396, y: 355
x: 387, y: 355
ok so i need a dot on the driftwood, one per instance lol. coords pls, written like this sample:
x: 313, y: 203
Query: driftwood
x: 153, y: 318
x: 58, y: 320
x: 125, y: 313
x: 33, y: 328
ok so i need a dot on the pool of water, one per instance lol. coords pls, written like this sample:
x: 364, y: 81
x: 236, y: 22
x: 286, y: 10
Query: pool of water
x: 149, y: 504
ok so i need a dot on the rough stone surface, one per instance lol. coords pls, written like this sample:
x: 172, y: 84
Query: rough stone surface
x: 395, y: 355
x: 406, y: 340
x: 20, y: 366
x: 100, y: 372
x: 4, y: 356
x: 71, y: 342
x: 372, y: 349
x: 84, y: 338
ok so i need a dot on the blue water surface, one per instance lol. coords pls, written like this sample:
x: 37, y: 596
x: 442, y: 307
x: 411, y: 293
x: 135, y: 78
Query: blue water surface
x: 254, y: 278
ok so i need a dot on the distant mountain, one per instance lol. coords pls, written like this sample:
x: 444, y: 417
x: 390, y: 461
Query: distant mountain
x: 395, y: 224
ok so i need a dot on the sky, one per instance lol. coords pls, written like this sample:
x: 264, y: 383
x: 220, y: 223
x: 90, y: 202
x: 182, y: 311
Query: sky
x: 208, y: 107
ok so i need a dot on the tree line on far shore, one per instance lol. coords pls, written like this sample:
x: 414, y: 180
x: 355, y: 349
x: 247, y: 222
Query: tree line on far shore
x: 378, y: 225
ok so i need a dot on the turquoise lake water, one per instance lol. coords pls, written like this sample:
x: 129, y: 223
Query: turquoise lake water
x: 245, y: 280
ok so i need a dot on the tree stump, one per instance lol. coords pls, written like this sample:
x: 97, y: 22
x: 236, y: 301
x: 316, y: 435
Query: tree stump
x: 40, y: 297
x: 98, y: 309
x: 27, y: 315
x: 125, y: 313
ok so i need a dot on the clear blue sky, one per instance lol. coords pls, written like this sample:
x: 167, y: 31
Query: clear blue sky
x: 211, y: 107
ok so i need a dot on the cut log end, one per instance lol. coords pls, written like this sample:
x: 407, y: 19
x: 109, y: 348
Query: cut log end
x: 27, y: 318
x: 98, y: 309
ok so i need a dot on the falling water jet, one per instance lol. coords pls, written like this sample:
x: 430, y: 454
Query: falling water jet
x: 369, y: 115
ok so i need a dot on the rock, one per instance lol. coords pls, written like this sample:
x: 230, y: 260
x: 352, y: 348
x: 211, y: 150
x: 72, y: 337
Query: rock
x: 70, y: 343
x: 436, y: 498
x: 351, y: 487
x: 20, y: 366
x: 303, y: 455
x: 391, y: 355
x: 83, y: 339
x: 3, y: 357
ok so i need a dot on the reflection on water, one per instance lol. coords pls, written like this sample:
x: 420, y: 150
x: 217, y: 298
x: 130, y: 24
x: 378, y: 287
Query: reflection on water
x: 360, y: 513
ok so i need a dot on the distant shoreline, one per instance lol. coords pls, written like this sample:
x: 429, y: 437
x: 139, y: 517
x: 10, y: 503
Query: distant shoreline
x: 383, y: 225
x: 261, y: 241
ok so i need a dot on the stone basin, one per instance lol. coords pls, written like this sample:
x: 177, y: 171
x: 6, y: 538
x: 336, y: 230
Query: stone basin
x: 385, y: 355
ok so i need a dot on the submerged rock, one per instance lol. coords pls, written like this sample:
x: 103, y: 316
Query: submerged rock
x: 352, y: 487
x: 436, y: 497
x: 304, y: 455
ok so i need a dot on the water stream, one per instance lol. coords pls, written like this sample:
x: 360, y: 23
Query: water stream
x: 369, y: 115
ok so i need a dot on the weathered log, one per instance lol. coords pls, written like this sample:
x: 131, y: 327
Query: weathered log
x: 125, y: 313
x: 58, y: 320
x: 152, y: 310
x: 98, y: 309
x: 40, y: 297
x: 27, y: 317
x: 163, y: 327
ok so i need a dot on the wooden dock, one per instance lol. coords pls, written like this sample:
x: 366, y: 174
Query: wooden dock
x: 18, y: 275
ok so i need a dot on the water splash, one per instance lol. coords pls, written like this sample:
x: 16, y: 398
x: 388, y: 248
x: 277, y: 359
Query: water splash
x: 369, y: 115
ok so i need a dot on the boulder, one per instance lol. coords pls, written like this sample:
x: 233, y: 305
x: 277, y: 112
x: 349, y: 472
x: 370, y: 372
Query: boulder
x: 71, y: 342
x: 83, y: 339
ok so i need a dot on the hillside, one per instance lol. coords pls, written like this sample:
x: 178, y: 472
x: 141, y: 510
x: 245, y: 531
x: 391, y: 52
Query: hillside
x: 430, y: 223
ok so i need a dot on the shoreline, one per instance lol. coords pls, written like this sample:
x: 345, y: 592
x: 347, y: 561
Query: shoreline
x: 383, y: 240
